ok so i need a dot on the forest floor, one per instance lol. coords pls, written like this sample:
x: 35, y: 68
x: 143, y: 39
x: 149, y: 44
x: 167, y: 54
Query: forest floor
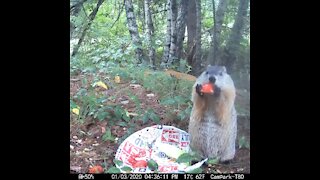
x: 88, y: 149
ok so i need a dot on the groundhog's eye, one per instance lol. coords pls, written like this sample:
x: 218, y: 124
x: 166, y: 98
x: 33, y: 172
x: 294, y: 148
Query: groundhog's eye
x: 220, y: 74
x: 207, y: 72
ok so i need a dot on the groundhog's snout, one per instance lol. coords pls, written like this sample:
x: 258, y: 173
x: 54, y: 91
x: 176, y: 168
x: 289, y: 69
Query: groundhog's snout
x: 212, y: 79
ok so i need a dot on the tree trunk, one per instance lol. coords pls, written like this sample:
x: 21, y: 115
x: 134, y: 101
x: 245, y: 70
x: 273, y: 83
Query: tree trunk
x: 133, y: 30
x: 74, y: 11
x: 141, y: 14
x: 149, y: 33
x: 213, y: 57
x: 181, y: 26
x: 191, y: 28
x: 219, y: 18
x: 233, y: 43
x: 87, y: 26
x: 197, y: 63
x: 173, y: 45
x: 75, y: 8
x: 165, y: 57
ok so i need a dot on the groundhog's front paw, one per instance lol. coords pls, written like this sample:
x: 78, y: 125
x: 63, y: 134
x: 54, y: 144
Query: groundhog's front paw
x: 198, y: 89
x: 217, y: 91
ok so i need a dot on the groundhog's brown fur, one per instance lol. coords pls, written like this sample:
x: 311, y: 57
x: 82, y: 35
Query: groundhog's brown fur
x: 213, y: 120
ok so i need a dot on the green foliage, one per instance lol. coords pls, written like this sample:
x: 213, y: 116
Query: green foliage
x: 153, y: 165
x: 126, y: 169
x: 113, y: 170
x: 150, y: 114
x: 117, y: 162
x: 243, y: 143
x: 212, y: 161
x: 185, y: 158
x: 108, y: 135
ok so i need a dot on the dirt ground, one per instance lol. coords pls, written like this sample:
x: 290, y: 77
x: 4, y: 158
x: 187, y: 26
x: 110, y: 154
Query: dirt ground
x: 88, y: 149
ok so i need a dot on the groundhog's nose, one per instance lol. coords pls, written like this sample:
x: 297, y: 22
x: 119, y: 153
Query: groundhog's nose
x: 212, y: 79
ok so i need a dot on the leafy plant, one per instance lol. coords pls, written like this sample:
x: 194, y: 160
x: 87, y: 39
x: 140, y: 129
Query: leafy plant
x: 113, y: 170
x: 108, y: 136
x: 243, y: 143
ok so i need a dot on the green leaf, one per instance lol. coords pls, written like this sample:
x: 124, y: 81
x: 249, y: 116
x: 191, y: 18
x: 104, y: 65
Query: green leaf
x: 113, y: 169
x: 145, y: 118
x: 154, y: 117
x: 179, y: 99
x: 84, y: 81
x: 195, y: 171
x: 72, y: 104
x: 243, y: 143
x: 168, y: 102
x: 185, y: 158
x: 212, y: 161
x: 126, y: 169
x: 121, y: 123
x: 102, y: 115
x: 118, y: 113
x: 153, y: 165
x: 117, y: 162
x: 126, y: 116
x: 107, y: 135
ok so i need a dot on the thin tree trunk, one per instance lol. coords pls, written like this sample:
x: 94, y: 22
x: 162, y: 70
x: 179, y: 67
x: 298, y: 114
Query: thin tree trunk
x: 191, y: 28
x: 166, y: 49
x: 141, y: 14
x: 233, y: 42
x: 219, y: 18
x: 133, y: 29
x: 197, y: 63
x: 87, y: 26
x: 181, y: 26
x: 149, y: 32
x: 173, y: 43
x: 219, y: 15
x: 74, y: 11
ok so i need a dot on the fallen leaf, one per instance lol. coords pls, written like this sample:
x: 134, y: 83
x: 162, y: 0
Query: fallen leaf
x: 150, y: 95
x: 124, y: 102
x: 71, y: 147
x: 103, y: 130
x: 75, y: 111
x: 75, y: 137
x: 101, y: 84
x: 132, y: 114
x: 117, y: 79
x: 134, y: 86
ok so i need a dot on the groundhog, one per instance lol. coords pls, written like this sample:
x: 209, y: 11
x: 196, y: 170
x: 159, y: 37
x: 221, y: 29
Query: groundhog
x: 213, y: 119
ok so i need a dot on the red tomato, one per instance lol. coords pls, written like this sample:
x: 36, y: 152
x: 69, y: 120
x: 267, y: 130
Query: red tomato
x: 207, y: 88
x: 96, y: 169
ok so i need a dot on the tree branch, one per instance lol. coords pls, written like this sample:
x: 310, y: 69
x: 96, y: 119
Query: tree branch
x: 120, y: 11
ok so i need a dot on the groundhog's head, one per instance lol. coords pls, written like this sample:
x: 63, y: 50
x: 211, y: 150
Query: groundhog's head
x: 216, y: 75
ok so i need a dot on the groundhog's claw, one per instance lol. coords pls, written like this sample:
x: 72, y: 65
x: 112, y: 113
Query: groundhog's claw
x: 198, y: 89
